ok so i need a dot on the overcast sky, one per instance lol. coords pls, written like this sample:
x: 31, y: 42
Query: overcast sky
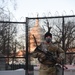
x: 29, y: 8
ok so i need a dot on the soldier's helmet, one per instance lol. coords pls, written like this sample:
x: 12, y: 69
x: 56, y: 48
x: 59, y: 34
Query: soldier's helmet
x: 47, y: 34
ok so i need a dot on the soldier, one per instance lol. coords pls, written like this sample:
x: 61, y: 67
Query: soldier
x: 44, y: 51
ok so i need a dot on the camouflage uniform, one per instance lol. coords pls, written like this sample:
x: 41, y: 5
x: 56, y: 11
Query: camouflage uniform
x: 47, y: 67
x: 51, y: 70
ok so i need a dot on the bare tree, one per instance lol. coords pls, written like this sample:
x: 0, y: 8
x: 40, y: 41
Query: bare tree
x: 7, y: 33
x: 5, y: 3
x: 7, y: 30
x: 69, y: 34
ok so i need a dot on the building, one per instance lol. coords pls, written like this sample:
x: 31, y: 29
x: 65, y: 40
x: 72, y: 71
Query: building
x: 35, y: 32
x: 38, y: 32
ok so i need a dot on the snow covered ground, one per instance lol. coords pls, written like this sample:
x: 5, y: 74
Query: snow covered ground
x: 69, y: 71
x: 13, y: 72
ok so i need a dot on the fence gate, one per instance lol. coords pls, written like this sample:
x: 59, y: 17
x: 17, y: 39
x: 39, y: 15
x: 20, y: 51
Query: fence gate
x: 62, y: 29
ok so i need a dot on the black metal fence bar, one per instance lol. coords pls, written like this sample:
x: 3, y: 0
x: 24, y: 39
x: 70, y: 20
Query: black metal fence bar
x: 51, y: 17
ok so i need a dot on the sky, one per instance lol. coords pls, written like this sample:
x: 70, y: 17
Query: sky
x: 30, y: 8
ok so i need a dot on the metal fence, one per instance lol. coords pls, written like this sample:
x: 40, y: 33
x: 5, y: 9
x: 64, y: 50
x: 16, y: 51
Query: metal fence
x: 11, y: 36
x: 63, y: 31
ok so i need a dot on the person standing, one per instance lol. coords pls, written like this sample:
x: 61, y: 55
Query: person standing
x: 48, y: 55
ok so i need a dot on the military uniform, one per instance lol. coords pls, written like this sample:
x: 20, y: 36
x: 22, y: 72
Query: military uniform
x: 48, y: 55
x: 50, y: 68
x: 47, y: 67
